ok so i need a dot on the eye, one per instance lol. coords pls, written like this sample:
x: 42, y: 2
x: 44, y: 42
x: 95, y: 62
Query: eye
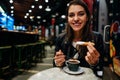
x: 71, y: 15
x: 81, y: 13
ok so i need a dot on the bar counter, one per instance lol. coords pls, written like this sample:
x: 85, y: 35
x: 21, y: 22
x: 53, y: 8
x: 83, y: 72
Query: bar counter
x: 19, y: 50
x: 13, y: 37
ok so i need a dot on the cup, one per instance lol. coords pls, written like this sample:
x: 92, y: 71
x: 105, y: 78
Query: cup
x: 73, y: 65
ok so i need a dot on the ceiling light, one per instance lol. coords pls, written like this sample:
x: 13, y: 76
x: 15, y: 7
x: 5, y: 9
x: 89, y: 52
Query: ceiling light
x: 30, y: 11
x: 36, y: 0
x: 12, y: 14
x: 12, y: 7
x: 25, y: 16
x: 46, y: 1
x: 38, y: 17
x: 40, y: 6
x: 63, y: 16
x: 31, y: 17
x: 11, y: 1
x: 68, y: 4
x: 12, y: 11
x: 44, y: 20
x: 47, y: 8
x: 111, y: 1
x: 32, y: 6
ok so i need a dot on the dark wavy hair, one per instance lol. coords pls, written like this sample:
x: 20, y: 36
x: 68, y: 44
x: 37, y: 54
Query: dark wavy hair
x: 86, y: 32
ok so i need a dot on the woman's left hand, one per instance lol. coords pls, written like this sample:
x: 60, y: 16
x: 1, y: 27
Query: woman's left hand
x: 93, y: 55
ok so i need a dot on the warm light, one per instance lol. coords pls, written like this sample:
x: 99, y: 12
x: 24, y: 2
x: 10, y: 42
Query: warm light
x: 30, y: 11
x: 27, y: 14
x: 111, y: 1
x: 38, y: 17
x: 11, y: 1
x: 68, y: 4
x: 36, y: 0
x: 12, y: 11
x: 31, y: 17
x: 40, y: 6
x: 46, y: 1
x: 48, y: 9
x: 63, y: 16
x: 32, y: 6
x: 12, y: 7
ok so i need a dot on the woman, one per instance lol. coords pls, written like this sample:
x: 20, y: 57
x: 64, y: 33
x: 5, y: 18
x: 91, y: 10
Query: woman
x: 78, y: 29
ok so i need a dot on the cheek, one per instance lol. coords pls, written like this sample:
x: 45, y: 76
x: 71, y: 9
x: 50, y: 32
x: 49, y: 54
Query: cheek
x: 69, y: 20
x: 85, y: 20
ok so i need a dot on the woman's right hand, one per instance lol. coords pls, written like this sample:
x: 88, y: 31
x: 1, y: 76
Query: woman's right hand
x: 59, y: 58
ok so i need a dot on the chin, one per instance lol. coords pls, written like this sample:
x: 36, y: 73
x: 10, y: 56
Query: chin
x: 77, y: 29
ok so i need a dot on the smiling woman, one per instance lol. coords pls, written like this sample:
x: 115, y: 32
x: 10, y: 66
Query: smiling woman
x: 78, y: 29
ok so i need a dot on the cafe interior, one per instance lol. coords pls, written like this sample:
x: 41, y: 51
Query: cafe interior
x: 27, y: 32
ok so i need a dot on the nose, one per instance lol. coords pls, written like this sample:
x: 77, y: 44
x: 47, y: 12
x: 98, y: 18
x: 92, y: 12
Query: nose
x: 76, y: 18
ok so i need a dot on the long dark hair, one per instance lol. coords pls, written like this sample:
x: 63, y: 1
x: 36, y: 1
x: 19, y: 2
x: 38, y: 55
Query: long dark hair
x: 86, y: 32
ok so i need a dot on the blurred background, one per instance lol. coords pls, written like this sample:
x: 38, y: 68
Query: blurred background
x: 34, y: 24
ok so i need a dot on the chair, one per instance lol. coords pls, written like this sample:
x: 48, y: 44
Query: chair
x: 5, y: 60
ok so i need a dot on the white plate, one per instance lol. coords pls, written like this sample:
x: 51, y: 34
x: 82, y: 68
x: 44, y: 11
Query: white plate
x: 80, y: 71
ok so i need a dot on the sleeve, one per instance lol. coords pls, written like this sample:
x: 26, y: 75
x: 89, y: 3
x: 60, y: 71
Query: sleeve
x: 100, y: 47
x: 58, y: 42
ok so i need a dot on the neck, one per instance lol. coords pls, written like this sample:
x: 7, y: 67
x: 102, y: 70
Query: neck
x: 77, y: 36
x: 75, y: 40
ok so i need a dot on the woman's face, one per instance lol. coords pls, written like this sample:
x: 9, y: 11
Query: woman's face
x: 77, y: 17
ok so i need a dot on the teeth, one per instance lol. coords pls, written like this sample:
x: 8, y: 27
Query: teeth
x: 76, y: 24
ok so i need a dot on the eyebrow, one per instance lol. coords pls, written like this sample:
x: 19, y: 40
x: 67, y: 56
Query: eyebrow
x: 78, y: 11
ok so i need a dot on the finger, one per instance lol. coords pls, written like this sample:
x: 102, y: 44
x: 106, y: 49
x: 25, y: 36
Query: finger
x: 59, y: 53
x: 86, y: 58
x: 89, y: 58
x: 60, y: 56
x: 91, y: 62
x: 93, y: 51
x: 92, y: 57
x: 59, y: 62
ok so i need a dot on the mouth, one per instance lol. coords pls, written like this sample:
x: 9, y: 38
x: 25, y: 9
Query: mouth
x: 77, y: 24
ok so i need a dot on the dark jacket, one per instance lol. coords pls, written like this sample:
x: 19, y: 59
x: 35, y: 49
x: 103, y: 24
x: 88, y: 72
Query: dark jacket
x: 69, y: 50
